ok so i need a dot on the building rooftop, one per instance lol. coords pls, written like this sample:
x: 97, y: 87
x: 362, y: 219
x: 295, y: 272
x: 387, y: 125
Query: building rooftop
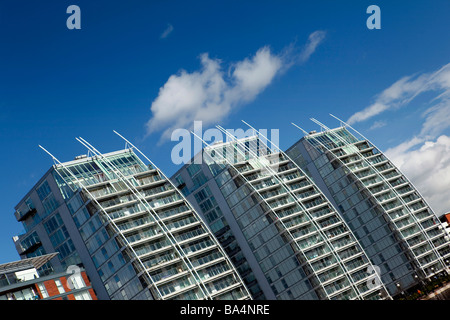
x: 20, y: 265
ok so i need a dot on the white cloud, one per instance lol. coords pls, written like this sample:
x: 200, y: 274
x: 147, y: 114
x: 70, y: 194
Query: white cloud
x: 397, y: 153
x: 437, y: 119
x: 210, y: 95
x: 428, y: 168
x: 425, y: 157
x: 404, y: 90
x: 166, y: 32
x: 378, y: 124
x: 314, y: 40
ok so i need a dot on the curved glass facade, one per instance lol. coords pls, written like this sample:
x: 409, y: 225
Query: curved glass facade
x: 141, y: 233
x: 397, y: 229
x: 305, y: 249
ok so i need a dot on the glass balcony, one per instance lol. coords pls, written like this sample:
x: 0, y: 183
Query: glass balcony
x: 342, y: 242
x: 144, y: 234
x: 422, y: 249
x: 335, y: 231
x: 190, y: 234
x: 330, y: 274
x: 178, y: 285
x: 289, y: 211
x: 323, y: 263
x: 337, y: 286
x: 181, y: 223
x: 290, y: 176
x: 265, y: 183
x: 166, y: 273
x: 131, y: 224
x: 428, y: 259
x: 369, y: 182
x: 410, y: 231
x: 416, y: 240
x: 316, y: 202
x: 317, y: 252
x: 307, y: 194
x: 309, y: 242
x: 213, y: 271
x: 199, y: 246
x: 126, y: 211
x: 156, y: 190
x: 149, y: 180
x: 148, y: 248
x: 386, y: 196
x: 222, y: 284
x: 296, y: 220
x: 328, y: 221
x: 378, y: 188
x: 160, y: 259
x: 320, y: 212
x: 173, y: 211
x: 279, y: 203
x: 407, y: 221
x: 21, y: 217
x: 391, y: 174
x: 347, y: 253
x: 158, y: 202
x: 206, y: 258
x: 353, y: 264
x: 303, y: 231
x: 235, y: 294
x: 270, y: 194
x: 398, y: 182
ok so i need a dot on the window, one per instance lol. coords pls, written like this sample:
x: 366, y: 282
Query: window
x: 77, y: 281
x: 82, y: 296
x: 53, y: 223
x: 50, y: 204
x: 179, y: 180
x: 193, y: 169
x: 199, y: 179
x: 59, y: 286
x: 44, y: 190
x: 203, y: 194
x: 43, y: 290
x: 65, y: 249
x: 74, y: 204
x: 29, y: 203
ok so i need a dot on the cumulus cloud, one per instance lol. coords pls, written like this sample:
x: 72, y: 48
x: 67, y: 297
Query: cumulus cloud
x: 405, y: 90
x: 167, y: 31
x: 425, y: 160
x: 428, y: 168
x: 210, y: 94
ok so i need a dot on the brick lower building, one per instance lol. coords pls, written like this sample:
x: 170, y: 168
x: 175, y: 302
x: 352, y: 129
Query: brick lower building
x: 19, y: 280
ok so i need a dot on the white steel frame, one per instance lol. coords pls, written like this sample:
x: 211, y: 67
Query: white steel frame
x: 81, y: 185
x: 337, y: 215
x: 153, y: 213
x: 236, y: 273
x: 370, y: 165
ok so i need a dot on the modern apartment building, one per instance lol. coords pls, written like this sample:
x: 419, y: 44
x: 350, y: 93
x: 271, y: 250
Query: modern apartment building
x: 132, y: 231
x: 197, y: 184
x: 391, y: 220
x: 293, y: 242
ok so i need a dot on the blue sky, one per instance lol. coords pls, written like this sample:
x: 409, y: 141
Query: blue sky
x: 56, y: 83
